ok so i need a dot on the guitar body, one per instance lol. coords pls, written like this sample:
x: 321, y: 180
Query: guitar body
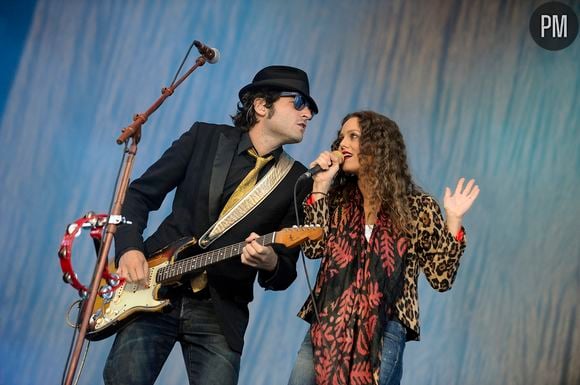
x: 131, y: 299
x: 167, y: 268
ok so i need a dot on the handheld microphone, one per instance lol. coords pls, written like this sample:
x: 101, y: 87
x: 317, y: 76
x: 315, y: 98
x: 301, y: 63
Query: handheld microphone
x: 316, y: 169
x: 211, y: 54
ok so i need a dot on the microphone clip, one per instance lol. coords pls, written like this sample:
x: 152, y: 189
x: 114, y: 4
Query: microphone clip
x: 212, y: 55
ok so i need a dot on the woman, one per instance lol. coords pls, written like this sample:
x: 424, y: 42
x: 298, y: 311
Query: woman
x: 380, y: 229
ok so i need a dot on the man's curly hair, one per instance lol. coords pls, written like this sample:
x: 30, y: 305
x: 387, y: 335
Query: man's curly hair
x: 245, y: 117
x: 383, y: 165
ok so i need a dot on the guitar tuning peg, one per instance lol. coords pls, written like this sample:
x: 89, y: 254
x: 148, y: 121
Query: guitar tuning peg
x: 295, y: 226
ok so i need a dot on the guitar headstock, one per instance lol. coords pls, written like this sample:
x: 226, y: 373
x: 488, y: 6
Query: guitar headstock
x: 294, y: 236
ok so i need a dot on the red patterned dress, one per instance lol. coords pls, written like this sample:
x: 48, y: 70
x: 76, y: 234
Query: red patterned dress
x: 357, y: 285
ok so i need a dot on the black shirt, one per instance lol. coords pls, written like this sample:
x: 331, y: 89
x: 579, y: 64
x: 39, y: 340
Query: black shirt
x: 242, y: 164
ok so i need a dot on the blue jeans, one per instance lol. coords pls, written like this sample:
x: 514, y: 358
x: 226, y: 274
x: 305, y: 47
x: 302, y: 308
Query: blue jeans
x: 141, y: 348
x: 391, y: 371
x: 303, y: 371
x: 394, y: 338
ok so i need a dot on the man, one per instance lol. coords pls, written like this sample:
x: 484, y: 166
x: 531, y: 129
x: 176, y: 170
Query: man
x: 208, y: 166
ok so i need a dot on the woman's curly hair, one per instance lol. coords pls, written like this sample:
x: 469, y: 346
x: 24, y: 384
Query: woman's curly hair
x: 383, y: 165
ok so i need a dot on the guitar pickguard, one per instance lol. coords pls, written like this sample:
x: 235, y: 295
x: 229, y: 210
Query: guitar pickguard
x: 127, y: 300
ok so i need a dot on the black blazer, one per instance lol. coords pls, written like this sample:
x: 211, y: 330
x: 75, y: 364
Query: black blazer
x: 196, y: 165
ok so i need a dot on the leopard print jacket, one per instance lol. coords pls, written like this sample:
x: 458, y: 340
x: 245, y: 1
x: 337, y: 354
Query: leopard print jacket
x: 432, y: 249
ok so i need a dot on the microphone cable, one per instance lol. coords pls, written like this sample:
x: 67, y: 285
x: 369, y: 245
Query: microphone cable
x: 310, y: 290
x: 182, y: 63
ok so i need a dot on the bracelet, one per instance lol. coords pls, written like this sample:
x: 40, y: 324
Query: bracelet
x: 310, y: 200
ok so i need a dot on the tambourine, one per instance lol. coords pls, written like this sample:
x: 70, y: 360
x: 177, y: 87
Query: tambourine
x: 94, y: 223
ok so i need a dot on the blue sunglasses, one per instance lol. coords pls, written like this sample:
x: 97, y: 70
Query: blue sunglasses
x: 299, y: 100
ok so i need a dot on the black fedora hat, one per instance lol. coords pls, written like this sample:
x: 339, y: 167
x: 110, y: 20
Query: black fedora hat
x: 282, y: 78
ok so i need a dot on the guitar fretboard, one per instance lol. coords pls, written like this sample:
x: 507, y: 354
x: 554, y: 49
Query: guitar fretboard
x: 199, y: 261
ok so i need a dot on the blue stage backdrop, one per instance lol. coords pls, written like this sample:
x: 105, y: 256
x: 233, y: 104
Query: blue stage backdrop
x: 472, y: 92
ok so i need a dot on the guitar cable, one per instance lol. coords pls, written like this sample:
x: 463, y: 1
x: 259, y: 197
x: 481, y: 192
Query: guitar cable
x: 74, y: 337
x: 310, y: 290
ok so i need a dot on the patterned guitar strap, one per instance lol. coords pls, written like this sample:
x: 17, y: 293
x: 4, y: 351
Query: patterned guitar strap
x: 239, y: 210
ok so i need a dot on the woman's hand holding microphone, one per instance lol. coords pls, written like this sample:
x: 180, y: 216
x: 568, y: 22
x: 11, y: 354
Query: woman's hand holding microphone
x: 323, y: 170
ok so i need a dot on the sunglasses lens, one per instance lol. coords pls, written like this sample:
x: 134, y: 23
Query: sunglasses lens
x: 299, y: 102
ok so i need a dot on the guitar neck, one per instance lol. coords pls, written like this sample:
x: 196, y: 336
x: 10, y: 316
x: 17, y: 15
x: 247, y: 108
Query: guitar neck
x: 196, y: 262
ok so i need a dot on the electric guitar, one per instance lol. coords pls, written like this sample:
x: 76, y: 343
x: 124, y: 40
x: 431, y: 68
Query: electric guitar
x: 113, y: 309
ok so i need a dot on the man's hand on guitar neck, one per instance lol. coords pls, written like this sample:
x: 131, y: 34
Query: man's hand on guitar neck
x: 258, y: 256
x: 134, y: 268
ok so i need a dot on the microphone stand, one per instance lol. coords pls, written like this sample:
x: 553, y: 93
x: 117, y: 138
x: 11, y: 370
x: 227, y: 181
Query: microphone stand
x: 133, y: 132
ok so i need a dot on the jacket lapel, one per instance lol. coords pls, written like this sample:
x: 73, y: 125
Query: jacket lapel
x: 226, y: 148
